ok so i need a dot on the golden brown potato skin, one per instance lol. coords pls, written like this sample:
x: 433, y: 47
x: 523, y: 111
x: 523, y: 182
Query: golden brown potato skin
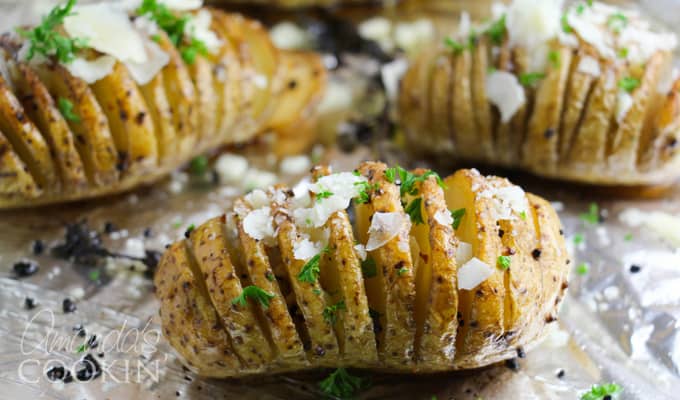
x: 422, y: 320
x: 567, y: 128
x: 126, y: 135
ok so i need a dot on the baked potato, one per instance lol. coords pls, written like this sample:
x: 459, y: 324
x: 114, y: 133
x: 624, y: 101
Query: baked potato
x: 430, y: 275
x: 586, y: 94
x: 64, y: 139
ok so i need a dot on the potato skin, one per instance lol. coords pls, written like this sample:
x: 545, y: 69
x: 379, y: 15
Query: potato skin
x: 422, y: 311
x: 125, y: 135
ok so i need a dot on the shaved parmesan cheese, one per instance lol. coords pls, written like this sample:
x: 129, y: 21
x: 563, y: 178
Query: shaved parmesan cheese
x: 592, y: 32
x: 199, y: 27
x: 443, y: 217
x: 505, y: 92
x: 91, y: 71
x: 589, y: 65
x: 108, y: 29
x: 301, y: 197
x: 384, y: 227
x: 507, y: 201
x: 463, y: 253
x: 342, y: 188
x: 144, y: 72
x: 624, y: 101
x: 361, y: 251
x: 532, y: 24
x: 257, y: 198
x: 472, y: 273
x: 286, y: 35
x: 391, y: 74
x: 258, y: 224
x: 306, y: 249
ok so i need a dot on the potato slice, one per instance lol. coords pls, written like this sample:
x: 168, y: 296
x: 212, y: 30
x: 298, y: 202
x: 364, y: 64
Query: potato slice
x: 393, y: 293
x: 129, y: 120
x: 161, y: 113
x: 208, y: 244
x: 482, y: 107
x: 310, y: 296
x: 414, y: 102
x: 93, y: 138
x: 440, y: 100
x: 14, y: 176
x: 280, y: 324
x: 541, y: 145
x: 26, y: 140
x: 576, y: 99
x: 462, y: 111
x: 666, y: 134
x: 504, y: 134
x: 206, y: 98
x: 189, y: 320
x: 482, y: 309
x: 436, y: 281
x: 42, y: 110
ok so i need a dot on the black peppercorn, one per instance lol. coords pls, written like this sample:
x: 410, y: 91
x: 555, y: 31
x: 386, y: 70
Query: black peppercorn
x: 30, y: 303
x: 25, y: 268
x: 68, y: 305
x: 512, y: 364
x: 634, y: 269
x: 38, y: 247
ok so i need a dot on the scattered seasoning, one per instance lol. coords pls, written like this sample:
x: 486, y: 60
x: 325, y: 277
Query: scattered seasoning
x: 629, y: 83
x: 68, y: 306
x: 190, y: 229
x: 457, y: 216
x: 536, y: 254
x: 402, y: 271
x: 560, y: 374
x: 270, y: 276
x: 45, y: 39
x: 592, y: 216
x: 582, y: 268
x: 554, y: 58
x: 59, y: 373
x: 81, y: 349
x: 38, y: 247
x: 565, y: 24
x: 623, y: 52
x: 496, y: 31
x: 512, y: 364
x: 414, y: 210
x: 316, y: 291
x: 310, y: 271
x: 530, y: 78
x: 148, y: 232
x: 94, y: 275
x: 521, y: 353
x: 199, y: 165
x: 369, y: 268
x: 634, y: 269
x: 330, y: 313
x: 89, y: 369
x: 25, y: 268
x: 602, y: 392
x: 29, y: 303
x: 66, y: 110
x: 578, y: 238
x: 341, y: 384
x: 92, y: 342
x: 503, y: 262
x: 80, y: 330
x: 365, y: 190
x: 109, y: 227
x: 255, y: 293
x: 324, y: 194
x: 523, y: 215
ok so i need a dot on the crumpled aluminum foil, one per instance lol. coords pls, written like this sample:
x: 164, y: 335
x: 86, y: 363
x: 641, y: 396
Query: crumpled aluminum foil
x: 615, y: 325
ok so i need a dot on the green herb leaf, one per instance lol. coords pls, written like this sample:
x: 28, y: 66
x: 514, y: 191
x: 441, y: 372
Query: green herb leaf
x: 457, y: 216
x: 565, y: 24
x: 402, y: 271
x: 582, y: 268
x: 503, y: 262
x: 496, y: 31
x: 592, y: 216
x: 414, y: 210
x: 391, y: 174
x: 599, y: 392
x: 369, y: 268
x: 617, y: 22
x: 580, y: 8
x: 342, y: 385
x: 254, y: 293
x: 554, y: 58
x: 66, y: 109
x: 192, y: 49
x: 310, y: 271
x: 455, y: 45
x: 324, y: 194
x: 578, y: 238
x: 365, y: 190
x: 81, y: 348
x: 330, y: 313
x: 408, y: 181
x: 94, y: 275
x: 628, y: 237
x: 46, y: 40
x: 623, y: 52
x: 530, y: 78
x: 629, y: 83
x: 199, y: 165
x: 270, y: 276
x: 523, y: 215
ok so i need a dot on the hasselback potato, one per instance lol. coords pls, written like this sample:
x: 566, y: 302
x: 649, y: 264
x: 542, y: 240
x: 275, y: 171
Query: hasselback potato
x: 585, y: 94
x: 419, y: 275
x: 65, y: 135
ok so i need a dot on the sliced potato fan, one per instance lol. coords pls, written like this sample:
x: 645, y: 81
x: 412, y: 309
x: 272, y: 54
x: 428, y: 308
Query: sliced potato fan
x: 431, y: 275
x: 64, y: 139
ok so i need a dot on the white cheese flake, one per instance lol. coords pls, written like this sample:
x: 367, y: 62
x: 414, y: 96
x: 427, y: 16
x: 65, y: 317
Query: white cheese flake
x: 231, y: 168
x: 259, y: 224
x: 443, y: 217
x: 144, y: 72
x: 199, y: 27
x: 624, y: 102
x: 589, y: 65
x: 507, y: 202
x: 257, y: 199
x: 361, y: 251
x: 91, y: 70
x: 505, y: 92
x: 377, y: 29
x: 463, y: 253
x: 532, y: 24
x: 305, y: 249
x: 472, y: 273
x: 384, y: 227
x: 339, y: 189
x: 391, y: 74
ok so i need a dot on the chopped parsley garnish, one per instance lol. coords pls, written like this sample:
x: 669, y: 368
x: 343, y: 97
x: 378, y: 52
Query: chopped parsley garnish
x: 46, y: 40
x: 496, y: 31
x: 530, y: 78
x: 66, y: 109
x: 629, y: 83
x: 414, y: 210
x: 565, y: 24
x: 94, y: 275
x: 599, y: 392
x: 623, y: 52
x: 390, y: 174
x: 330, y: 313
x: 176, y: 224
x: 408, y: 180
x: 503, y: 262
x: 254, y: 293
x: 324, y: 194
x: 175, y: 26
x: 554, y: 58
x: 523, y: 215
x: 270, y: 276
x: 617, y: 21
x: 455, y: 45
x: 365, y: 190
x: 316, y: 291
x: 592, y: 216
x: 369, y: 268
x: 190, y: 229
x: 578, y: 238
x: 402, y: 271
x: 580, y: 9
x: 628, y: 237
x: 310, y: 271
x: 81, y: 348
x: 582, y: 268
x: 199, y: 165
x: 341, y: 384
x: 457, y: 216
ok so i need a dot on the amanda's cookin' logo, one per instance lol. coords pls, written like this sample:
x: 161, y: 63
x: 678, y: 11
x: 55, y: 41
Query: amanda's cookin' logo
x: 120, y: 356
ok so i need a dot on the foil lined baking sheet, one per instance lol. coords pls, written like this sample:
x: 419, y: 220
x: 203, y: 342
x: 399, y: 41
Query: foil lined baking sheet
x: 620, y: 321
